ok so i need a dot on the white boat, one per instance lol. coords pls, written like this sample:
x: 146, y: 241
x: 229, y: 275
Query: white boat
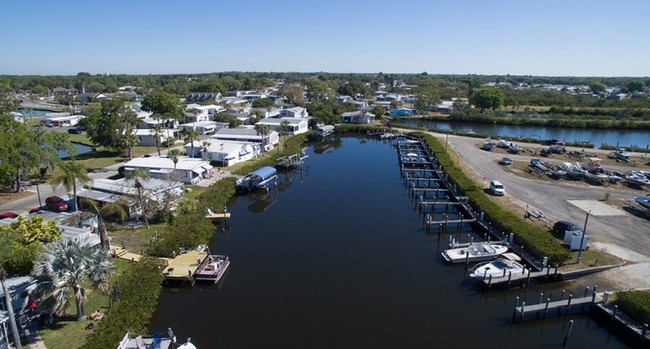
x: 475, y: 252
x: 507, y: 263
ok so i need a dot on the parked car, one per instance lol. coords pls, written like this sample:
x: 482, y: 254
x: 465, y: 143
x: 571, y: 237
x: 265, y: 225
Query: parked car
x: 8, y: 215
x: 505, y: 161
x: 56, y: 203
x: 74, y: 131
x: 497, y: 188
x: 561, y: 227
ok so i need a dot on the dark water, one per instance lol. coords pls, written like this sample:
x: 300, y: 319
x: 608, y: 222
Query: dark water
x: 338, y: 259
x: 639, y: 138
x: 81, y: 149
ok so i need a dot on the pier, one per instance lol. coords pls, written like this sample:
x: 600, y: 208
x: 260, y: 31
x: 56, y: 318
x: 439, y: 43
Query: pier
x: 291, y: 161
x: 559, y: 307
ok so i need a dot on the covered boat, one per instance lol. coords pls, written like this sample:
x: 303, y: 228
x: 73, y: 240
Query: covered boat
x: 262, y: 178
x: 475, y: 252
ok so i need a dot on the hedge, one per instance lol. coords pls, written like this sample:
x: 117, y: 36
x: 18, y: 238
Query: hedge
x: 635, y: 304
x: 139, y: 288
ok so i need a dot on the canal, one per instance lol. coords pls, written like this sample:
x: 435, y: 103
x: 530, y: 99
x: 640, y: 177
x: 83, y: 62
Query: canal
x: 338, y: 258
x: 598, y: 137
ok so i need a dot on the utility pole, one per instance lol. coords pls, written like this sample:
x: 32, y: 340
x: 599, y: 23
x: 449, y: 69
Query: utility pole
x: 582, y: 238
x: 10, y: 308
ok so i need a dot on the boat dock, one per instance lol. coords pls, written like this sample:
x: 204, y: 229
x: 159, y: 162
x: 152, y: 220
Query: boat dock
x: 291, y: 161
x: 548, y: 273
x: 563, y: 306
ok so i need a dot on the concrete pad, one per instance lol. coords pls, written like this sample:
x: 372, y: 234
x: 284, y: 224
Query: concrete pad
x: 620, y: 252
x: 597, y: 208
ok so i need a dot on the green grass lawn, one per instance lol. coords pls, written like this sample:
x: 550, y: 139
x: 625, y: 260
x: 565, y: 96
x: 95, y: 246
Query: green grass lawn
x: 69, y: 333
x: 105, y: 157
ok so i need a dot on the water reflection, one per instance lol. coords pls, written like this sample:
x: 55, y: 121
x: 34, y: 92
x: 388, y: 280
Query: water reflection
x: 342, y: 261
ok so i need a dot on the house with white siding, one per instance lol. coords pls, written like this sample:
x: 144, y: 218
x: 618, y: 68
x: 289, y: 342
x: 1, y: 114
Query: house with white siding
x: 247, y: 134
x: 295, y: 112
x: 295, y: 125
x: 185, y: 169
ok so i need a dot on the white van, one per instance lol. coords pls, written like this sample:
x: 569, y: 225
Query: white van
x: 497, y: 188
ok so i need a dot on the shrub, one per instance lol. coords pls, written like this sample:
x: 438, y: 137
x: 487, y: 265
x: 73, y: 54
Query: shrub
x: 635, y: 304
x: 139, y: 288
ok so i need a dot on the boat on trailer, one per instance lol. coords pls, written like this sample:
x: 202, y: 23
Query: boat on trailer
x: 475, y: 252
x: 498, y: 268
x: 212, y: 268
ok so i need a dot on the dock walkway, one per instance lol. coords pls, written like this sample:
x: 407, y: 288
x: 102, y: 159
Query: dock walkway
x: 559, y: 307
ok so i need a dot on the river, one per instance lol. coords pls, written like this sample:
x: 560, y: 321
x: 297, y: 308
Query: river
x: 617, y: 137
x: 337, y: 258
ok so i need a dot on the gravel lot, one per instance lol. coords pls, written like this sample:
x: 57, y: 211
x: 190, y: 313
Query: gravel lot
x: 614, y: 226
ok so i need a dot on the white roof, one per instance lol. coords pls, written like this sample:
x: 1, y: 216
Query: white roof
x: 278, y: 121
x: 165, y: 163
x: 203, y: 124
x: 148, y: 132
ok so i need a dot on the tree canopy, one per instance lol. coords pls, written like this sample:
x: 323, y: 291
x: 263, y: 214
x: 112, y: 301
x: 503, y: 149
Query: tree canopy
x: 111, y: 124
x: 487, y: 98
x: 162, y: 103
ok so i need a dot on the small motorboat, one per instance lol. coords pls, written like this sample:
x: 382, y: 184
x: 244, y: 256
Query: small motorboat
x: 475, y: 252
x: 499, y: 268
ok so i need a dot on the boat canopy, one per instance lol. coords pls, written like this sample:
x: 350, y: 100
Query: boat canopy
x: 264, y: 172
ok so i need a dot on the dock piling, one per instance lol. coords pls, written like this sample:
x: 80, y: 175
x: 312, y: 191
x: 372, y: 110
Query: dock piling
x: 521, y: 316
x: 514, y: 312
x: 568, y: 304
x: 509, y: 278
x: 568, y: 334
x: 548, y: 300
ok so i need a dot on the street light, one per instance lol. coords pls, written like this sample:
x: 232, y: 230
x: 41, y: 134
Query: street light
x: 582, y: 238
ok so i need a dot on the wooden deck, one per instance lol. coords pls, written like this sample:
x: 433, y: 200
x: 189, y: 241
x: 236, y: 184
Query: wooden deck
x: 559, y: 307
x: 183, y: 266
x: 180, y: 268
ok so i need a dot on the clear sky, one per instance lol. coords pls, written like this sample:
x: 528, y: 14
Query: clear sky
x: 518, y: 37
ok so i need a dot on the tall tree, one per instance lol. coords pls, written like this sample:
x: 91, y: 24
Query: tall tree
x: 65, y: 270
x: 487, y: 98
x: 157, y: 131
x: 138, y: 175
x: 190, y: 137
x: 106, y: 210
x: 284, y: 127
x: 263, y: 130
x: 21, y: 149
x: 162, y: 104
x: 110, y: 124
x: 71, y: 172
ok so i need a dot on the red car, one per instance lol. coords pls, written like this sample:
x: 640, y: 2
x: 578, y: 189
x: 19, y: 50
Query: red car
x: 56, y: 203
x: 8, y: 215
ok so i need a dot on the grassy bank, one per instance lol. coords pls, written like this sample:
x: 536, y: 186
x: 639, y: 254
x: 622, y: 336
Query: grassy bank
x: 636, y: 304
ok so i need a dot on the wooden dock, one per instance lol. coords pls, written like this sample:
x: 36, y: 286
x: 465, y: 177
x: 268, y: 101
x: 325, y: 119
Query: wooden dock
x: 183, y: 266
x: 180, y: 268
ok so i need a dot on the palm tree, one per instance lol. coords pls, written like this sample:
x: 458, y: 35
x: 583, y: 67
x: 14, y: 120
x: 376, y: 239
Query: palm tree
x: 72, y: 172
x: 264, y: 131
x: 157, y: 131
x: 66, y: 267
x: 137, y: 175
x: 284, y: 126
x: 190, y: 136
x: 10, y: 309
x: 204, y: 150
x: 105, y: 210
x: 130, y: 141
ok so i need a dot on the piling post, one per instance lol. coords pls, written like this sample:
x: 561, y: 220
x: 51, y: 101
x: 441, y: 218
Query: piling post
x: 523, y: 308
x: 568, y: 304
x: 509, y: 278
x: 541, y: 297
x: 489, y: 282
x: 548, y: 271
x: 562, y: 294
x: 504, y: 273
x: 586, y: 291
x: 466, y: 260
x: 568, y: 334
x: 548, y: 300
x: 605, y: 296
x: 555, y: 274
x: 528, y: 277
x: 514, y: 312
x: 615, y: 311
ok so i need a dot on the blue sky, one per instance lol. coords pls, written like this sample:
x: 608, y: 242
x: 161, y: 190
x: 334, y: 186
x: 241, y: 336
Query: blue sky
x: 518, y: 37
